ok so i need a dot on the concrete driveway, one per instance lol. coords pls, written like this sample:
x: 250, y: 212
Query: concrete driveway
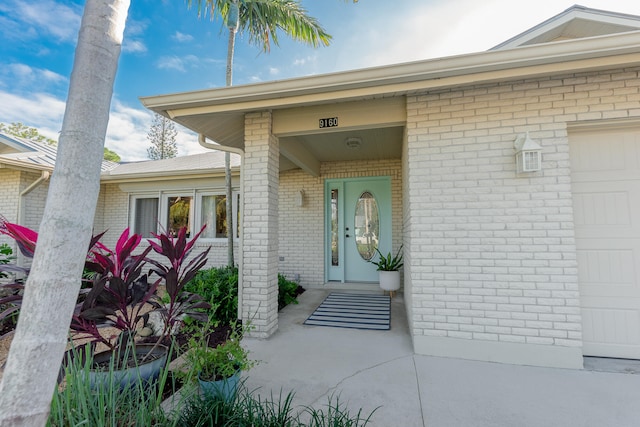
x: 377, y: 369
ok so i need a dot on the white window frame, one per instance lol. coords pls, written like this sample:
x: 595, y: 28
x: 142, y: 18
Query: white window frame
x: 234, y: 208
x: 133, y: 206
x: 195, y: 213
x: 164, y: 209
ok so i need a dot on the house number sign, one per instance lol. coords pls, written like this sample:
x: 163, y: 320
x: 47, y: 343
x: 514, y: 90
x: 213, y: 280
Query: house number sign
x: 330, y: 122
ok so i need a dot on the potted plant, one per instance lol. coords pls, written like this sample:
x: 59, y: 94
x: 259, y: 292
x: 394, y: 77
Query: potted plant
x: 119, y: 295
x: 120, y: 292
x: 388, y: 269
x: 217, y: 369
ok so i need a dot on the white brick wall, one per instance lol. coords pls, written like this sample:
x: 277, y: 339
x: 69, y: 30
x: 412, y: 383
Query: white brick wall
x: 9, y: 191
x: 492, y: 254
x: 33, y: 203
x: 301, y: 229
x: 260, y: 245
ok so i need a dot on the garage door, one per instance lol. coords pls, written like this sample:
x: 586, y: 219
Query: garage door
x: 605, y: 172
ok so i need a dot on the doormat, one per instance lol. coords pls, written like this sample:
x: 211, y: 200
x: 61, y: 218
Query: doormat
x: 358, y: 311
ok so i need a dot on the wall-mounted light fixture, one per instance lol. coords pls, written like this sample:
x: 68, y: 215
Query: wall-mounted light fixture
x: 528, y: 154
x: 300, y: 198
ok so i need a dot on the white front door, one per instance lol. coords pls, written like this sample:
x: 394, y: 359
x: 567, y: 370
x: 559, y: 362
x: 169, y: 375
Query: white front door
x: 605, y: 172
x: 358, y: 222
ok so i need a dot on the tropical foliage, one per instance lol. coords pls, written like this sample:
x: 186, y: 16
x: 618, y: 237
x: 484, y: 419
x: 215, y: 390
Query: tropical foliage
x: 387, y: 263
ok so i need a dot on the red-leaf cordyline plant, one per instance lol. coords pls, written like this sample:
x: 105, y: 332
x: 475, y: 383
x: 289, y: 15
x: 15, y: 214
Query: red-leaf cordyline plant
x: 176, y: 250
x: 120, y: 290
x: 118, y: 293
x: 25, y: 239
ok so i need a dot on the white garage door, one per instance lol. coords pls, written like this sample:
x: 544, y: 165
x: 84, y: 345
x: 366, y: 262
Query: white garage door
x: 605, y: 172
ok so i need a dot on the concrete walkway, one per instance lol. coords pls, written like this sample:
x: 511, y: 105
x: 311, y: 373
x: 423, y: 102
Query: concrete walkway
x: 377, y: 369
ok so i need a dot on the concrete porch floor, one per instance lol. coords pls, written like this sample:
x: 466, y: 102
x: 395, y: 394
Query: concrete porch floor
x: 370, y: 369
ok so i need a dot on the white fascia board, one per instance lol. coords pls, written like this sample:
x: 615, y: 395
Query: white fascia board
x: 162, y: 175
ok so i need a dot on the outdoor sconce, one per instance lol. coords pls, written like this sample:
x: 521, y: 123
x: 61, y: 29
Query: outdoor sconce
x: 300, y: 198
x: 528, y: 154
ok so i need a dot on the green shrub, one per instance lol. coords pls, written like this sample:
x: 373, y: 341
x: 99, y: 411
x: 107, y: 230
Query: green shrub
x: 250, y: 410
x: 244, y: 410
x: 287, y: 292
x: 335, y: 414
x: 6, y: 256
x: 219, y: 287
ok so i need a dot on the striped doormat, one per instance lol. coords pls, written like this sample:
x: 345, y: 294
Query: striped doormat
x: 358, y: 311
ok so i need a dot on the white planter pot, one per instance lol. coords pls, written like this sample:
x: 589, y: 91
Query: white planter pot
x: 389, y: 280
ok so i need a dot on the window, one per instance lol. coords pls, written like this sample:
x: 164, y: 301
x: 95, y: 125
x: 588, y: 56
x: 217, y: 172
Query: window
x: 213, y: 213
x: 151, y: 213
x: 145, y: 215
x: 179, y: 214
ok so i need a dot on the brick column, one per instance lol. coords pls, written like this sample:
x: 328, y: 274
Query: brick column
x: 260, y: 226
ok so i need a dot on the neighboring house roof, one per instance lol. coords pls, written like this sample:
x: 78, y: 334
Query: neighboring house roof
x: 203, y: 163
x: 24, y: 153
x: 574, y: 23
x: 219, y: 113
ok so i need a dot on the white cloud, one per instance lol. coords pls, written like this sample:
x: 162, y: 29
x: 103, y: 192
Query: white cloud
x: 39, y: 110
x: 46, y: 17
x: 22, y: 77
x: 171, y: 63
x: 274, y: 71
x: 126, y: 133
x: 178, y: 63
x: 133, y: 46
x: 51, y: 76
x: 181, y: 37
x: 299, y: 62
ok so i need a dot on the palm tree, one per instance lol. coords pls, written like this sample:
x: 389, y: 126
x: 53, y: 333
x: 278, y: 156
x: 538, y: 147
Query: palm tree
x: 54, y: 281
x: 261, y: 20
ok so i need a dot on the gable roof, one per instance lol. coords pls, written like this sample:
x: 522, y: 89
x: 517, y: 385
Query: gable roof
x: 574, y: 23
x: 28, y: 154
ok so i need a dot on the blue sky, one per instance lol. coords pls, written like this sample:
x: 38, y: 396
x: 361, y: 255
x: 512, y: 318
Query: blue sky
x: 168, y: 49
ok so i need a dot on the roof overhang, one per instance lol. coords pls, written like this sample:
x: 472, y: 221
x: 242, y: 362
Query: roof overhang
x: 9, y: 163
x: 575, y: 22
x: 161, y: 176
x: 219, y: 113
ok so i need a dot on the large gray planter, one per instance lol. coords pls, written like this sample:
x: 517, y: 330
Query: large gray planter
x: 146, y: 372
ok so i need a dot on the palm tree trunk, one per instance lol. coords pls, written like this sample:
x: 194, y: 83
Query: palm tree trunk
x: 230, y: 218
x: 231, y: 45
x: 233, y: 28
x: 52, y: 286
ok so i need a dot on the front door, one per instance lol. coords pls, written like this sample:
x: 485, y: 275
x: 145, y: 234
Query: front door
x: 358, y: 216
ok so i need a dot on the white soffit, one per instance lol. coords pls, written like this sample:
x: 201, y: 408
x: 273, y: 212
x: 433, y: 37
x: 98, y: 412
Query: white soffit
x: 574, y: 23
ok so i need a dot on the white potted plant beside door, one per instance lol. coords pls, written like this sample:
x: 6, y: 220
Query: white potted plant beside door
x: 389, y: 270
